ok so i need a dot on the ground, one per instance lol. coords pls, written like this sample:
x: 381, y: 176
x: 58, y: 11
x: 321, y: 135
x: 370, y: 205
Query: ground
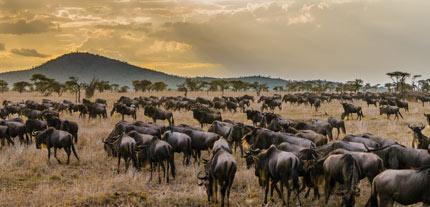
x: 28, y: 179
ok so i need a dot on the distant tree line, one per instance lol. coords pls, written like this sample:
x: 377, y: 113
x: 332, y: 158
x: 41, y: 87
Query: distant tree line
x: 401, y: 82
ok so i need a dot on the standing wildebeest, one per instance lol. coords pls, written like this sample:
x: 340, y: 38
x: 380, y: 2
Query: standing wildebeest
x: 158, y: 114
x: 201, y: 140
x: 400, y: 157
x: 180, y: 142
x: 219, y: 170
x: 254, y: 115
x: 389, y: 110
x: 57, y: 139
x: 338, y: 124
x: 345, y: 170
x: 406, y: 187
x: 65, y: 125
x: 351, y: 109
x: 206, y: 115
x: 235, y: 135
x: 124, y: 110
x: 16, y: 128
x: 33, y: 125
x: 159, y: 153
x: 123, y: 147
x: 4, y: 136
x: 423, y: 141
x: 275, y: 165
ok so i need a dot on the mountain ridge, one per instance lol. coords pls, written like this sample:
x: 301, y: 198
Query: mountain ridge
x: 87, y: 66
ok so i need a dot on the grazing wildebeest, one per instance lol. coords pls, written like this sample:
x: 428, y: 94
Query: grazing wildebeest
x: 351, y: 109
x: 57, y: 139
x: 273, y: 166
x: 180, y: 142
x: 405, y: 187
x: 316, y: 138
x: 338, y: 124
x: 219, y: 170
x: 389, y: 110
x: 159, y: 114
x: 235, y: 135
x: 423, y: 141
x: 345, y: 170
x: 124, y: 110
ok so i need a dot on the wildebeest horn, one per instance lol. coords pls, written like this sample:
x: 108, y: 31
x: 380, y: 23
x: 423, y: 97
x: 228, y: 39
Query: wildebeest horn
x: 255, y: 150
x: 200, y: 177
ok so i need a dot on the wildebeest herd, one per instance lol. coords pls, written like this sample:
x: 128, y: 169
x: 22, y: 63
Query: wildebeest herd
x: 285, y: 154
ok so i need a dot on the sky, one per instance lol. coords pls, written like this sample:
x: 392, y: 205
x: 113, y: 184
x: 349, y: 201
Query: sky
x: 291, y: 39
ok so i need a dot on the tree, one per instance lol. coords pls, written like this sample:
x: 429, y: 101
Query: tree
x: 399, y: 79
x: 21, y: 86
x: 414, y: 86
x: 159, y: 86
x: 3, y: 86
x: 142, y: 85
x: 358, y: 84
x: 192, y: 84
x: 101, y: 86
x: 114, y: 87
x: 181, y: 87
x: 221, y: 84
x: 73, y: 86
x: 41, y: 83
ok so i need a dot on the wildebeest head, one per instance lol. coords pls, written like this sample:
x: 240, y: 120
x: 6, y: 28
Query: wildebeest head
x: 249, y: 157
x: 42, y: 136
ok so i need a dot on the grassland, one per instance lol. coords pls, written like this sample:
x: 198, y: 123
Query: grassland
x: 27, y: 179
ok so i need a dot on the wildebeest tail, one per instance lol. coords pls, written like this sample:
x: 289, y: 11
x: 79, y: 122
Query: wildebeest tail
x: 74, y: 151
x: 400, y: 114
x: 132, y: 150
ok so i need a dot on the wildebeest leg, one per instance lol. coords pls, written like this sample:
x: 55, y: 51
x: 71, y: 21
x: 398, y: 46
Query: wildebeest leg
x: 119, y: 161
x: 159, y: 165
x: 167, y: 171
x: 329, y: 184
x: 338, y: 132
x: 55, y: 155
x: 280, y: 192
x: 266, y: 191
x: 67, y: 149
x: 241, y: 149
x: 230, y: 183
x: 223, y: 190
x: 127, y: 163
x: 385, y: 201
x: 151, y: 169
x: 49, y: 154
x: 154, y: 120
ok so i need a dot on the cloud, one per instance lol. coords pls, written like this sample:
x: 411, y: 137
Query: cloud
x: 2, y: 47
x: 28, y: 53
x: 27, y: 27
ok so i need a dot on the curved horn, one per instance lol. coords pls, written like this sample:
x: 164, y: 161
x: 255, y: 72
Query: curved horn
x: 201, y: 177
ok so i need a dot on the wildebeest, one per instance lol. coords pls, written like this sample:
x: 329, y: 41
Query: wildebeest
x: 345, y: 170
x: 124, y: 110
x: 351, y: 109
x: 16, y: 128
x: 273, y: 166
x: 206, y: 115
x: 66, y: 125
x: 159, y: 114
x: 428, y: 118
x: 180, y: 142
x: 423, y: 141
x: 159, y: 153
x: 235, y: 135
x: 33, y: 125
x: 5, y: 136
x: 338, y: 124
x: 57, y: 139
x: 402, y: 186
x: 400, y: 157
x: 123, y: 147
x: 220, y: 171
x: 389, y: 110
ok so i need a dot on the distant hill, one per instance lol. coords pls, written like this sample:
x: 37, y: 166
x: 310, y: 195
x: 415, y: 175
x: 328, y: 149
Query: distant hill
x: 87, y: 66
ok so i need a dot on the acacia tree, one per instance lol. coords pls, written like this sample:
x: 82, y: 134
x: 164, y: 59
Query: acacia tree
x: 159, y: 86
x: 142, y: 85
x: 75, y: 87
x: 221, y: 84
x: 21, y: 86
x: 399, y: 80
x: 3, y: 86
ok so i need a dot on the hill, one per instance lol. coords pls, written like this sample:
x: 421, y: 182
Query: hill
x: 87, y: 66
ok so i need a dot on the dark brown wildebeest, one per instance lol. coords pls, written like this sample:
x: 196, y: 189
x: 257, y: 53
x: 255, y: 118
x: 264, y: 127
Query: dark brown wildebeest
x: 159, y: 114
x: 345, y: 170
x: 235, y: 135
x: 273, y: 166
x: 65, y: 125
x: 180, y: 142
x: 389, y: 110
x: 219, y: 170
x: 124, y: 110
x: 402, y: 104
x: 16, y: 128
x: 254, y: 115
x: 423, y: 141
x: 56, y: 139
x: 206, y: 115
x: 159, y: 153
x: 351, y: 109
x: 33, y: 125
x: 338, y: 124
x: 124, y: 147
x: 405, y: 187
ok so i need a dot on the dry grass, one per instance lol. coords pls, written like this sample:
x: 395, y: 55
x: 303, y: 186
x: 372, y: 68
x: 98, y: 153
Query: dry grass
x: 27, y: 179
